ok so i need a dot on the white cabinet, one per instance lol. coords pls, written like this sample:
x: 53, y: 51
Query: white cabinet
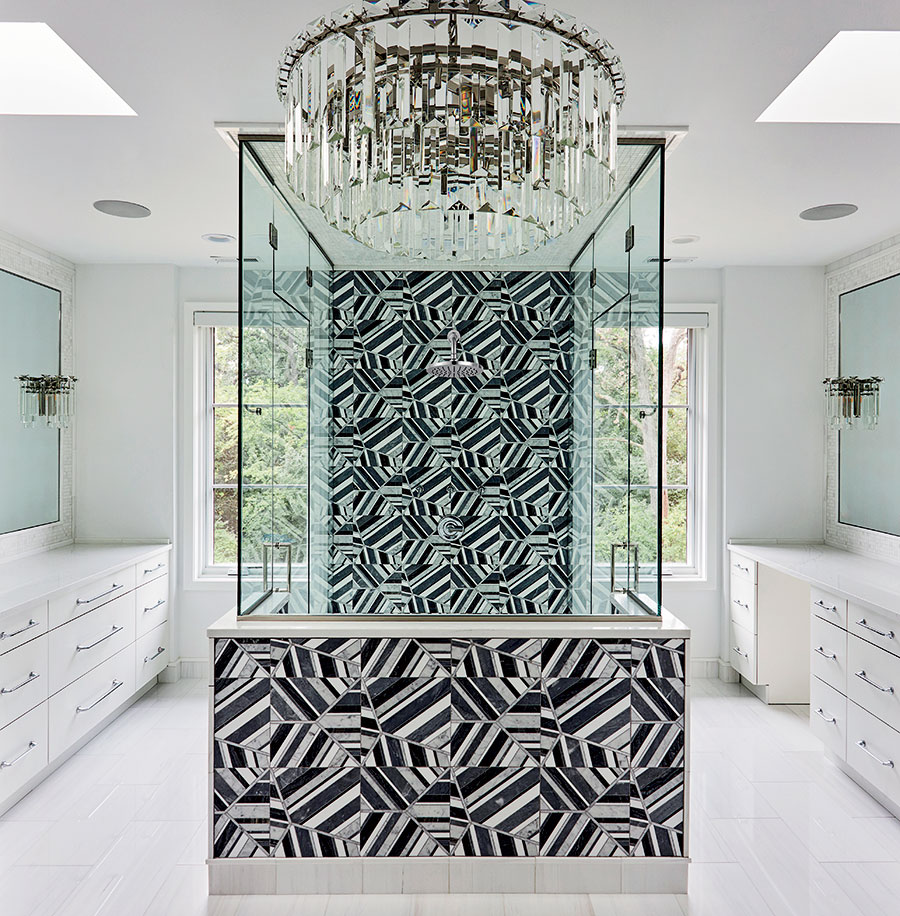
x: 828, y: 658
x: 828, y: 716
x: 73, y: 657
x: 773, y: 609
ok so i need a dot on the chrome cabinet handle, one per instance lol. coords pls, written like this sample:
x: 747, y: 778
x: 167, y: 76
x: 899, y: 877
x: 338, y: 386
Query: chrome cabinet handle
x: 826, y: 607
x: 8, y: 763
x: 31, y: 677
x: 158, y: 566
x: 156, y: 654
x: 862, y: 676
x: 115, y: 588
x: 885, y: 763
x: 862, y: 623
x: 115, y: 686
x: 821, y: 714
x: 746, y: 607
x: 745, y: 654
x: 97, y: 642
x: 825, y: 654
x: 742, y: 568
x: 31, y: 623
x: 153, y: 607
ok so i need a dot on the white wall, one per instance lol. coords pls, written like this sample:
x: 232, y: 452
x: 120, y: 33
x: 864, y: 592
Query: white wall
x: 773, y: 328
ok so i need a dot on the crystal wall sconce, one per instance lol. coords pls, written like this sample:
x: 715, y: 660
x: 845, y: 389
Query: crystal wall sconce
x: 851, y: 402
x: 46, y: 400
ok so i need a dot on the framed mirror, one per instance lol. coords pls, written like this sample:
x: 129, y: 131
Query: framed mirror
x: 30, y: 344
x: 868, y: 469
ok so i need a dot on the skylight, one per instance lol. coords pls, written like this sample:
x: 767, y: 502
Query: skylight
x: 852, y: 80
x: 41, y: 75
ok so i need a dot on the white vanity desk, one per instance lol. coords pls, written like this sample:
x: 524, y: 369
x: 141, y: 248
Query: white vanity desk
x: 853, y: 651
x: 83, y: 630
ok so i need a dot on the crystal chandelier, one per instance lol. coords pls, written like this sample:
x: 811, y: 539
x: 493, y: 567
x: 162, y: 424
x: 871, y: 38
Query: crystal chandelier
x: 46, y: 400
x: 852, y: 402
x: 463, y: 129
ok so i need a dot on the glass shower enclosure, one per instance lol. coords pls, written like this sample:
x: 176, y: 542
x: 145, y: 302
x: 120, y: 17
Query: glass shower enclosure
x: 613, y: 450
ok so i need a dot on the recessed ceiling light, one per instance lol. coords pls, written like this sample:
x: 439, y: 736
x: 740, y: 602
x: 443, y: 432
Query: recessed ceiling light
x: 852, y: 80
x: 41, y: 75
x: 219, y: 238
x: 829, y: 211
x: 685, y: 239
x: 123, y: 208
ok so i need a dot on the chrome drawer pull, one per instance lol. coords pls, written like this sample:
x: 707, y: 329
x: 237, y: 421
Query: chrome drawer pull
x: 746, y: 607
x: 821, y: 714
x: 115, y: 686
x: 862, y: 623
x: 31, y: 677
x: 158, y: 566
x: 884, y: 763
x: 745, y: 654
x: 825, y: 654
x: 826, y: 607
x: 115, y: 588
x: 862, y: 676
x: 97, y: 642
x: 28, y: 626
x: 153, y: 607
x: 156, y: 654
x: 745, y: 569
x: 8, y: 763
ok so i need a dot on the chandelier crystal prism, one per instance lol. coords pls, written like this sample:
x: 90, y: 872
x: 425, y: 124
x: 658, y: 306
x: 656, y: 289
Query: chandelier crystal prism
x: 462, y: 129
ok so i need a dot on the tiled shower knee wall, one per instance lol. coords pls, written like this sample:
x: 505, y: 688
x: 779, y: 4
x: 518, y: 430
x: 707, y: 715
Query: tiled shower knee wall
x: 448, y: 747
x: 495, y: 451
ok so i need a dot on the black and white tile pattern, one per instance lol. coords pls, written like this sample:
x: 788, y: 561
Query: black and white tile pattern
x: 436, y: 747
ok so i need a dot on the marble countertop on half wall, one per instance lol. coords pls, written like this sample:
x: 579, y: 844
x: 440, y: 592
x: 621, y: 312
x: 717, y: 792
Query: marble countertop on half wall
x: 570, y: 627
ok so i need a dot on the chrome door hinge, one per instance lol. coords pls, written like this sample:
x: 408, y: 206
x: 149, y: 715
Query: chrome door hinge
x: 309, y: 358
x: 593, y: 277
x: 592, y: 359
x: 629, y: 238
x: 273, y: 237
x: 309, y: 276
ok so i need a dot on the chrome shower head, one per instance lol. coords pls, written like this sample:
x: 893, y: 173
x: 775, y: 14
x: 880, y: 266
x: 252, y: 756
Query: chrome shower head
x: 453, y: 367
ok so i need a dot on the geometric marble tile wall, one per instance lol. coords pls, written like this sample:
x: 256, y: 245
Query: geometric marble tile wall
x: 494, y: 451
x: 448, y: 747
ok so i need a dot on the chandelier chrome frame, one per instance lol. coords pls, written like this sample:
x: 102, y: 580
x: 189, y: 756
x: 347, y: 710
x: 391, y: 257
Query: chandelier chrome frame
x: 852, y: 402
x: 464, y: 129
x: 46, y: 400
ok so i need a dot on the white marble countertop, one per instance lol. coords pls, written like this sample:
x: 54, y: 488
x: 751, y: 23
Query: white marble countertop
x: 361, y: 625
x: 39, y: 576
x: 845, y: 574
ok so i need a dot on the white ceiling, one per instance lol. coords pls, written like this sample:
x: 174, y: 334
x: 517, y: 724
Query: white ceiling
x: 713, y: 65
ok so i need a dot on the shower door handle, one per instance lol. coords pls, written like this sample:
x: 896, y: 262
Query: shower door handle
x: 269, y: 548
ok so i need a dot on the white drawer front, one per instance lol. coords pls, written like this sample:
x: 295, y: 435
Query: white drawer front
x: 23, y: 750
x: 743, y: 602
x: 151, y: 655
x: 743, y: 567
x: 83, y: 704
x: 148, y: 570
x: 83, y: 643
x: 873, y: 680
x: 151, y: 605
x: 877, y: 627
x: 828, y: 716
x: 743, y: 652
x: 25, y: 623
x: 873, y: 750
x: 89, y: 596
x: 828, y: 654
x: 24, y: 679
x: 828, y: 607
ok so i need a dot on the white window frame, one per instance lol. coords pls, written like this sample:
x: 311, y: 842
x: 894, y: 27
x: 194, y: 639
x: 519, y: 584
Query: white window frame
x: 204, y: 324
x: 698, y: 322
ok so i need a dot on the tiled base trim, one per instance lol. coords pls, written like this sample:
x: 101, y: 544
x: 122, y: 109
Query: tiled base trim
x: 195, y: 668
x: 703, y: 668
x: 458, y: 875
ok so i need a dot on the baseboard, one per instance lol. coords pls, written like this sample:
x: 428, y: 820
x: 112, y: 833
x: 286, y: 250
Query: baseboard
x: 704, y: 668
x: 194, y: 668
x: 450, y: 875
x: 727, y: 673
x: 170, y: 674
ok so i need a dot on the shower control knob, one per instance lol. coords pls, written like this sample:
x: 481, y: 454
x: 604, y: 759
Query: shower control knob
x: 450, y: 528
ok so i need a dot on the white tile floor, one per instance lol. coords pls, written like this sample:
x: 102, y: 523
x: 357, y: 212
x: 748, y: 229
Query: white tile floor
x: 120, y: 829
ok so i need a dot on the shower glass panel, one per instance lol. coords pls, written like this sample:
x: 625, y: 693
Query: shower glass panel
x: 550, y: 463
